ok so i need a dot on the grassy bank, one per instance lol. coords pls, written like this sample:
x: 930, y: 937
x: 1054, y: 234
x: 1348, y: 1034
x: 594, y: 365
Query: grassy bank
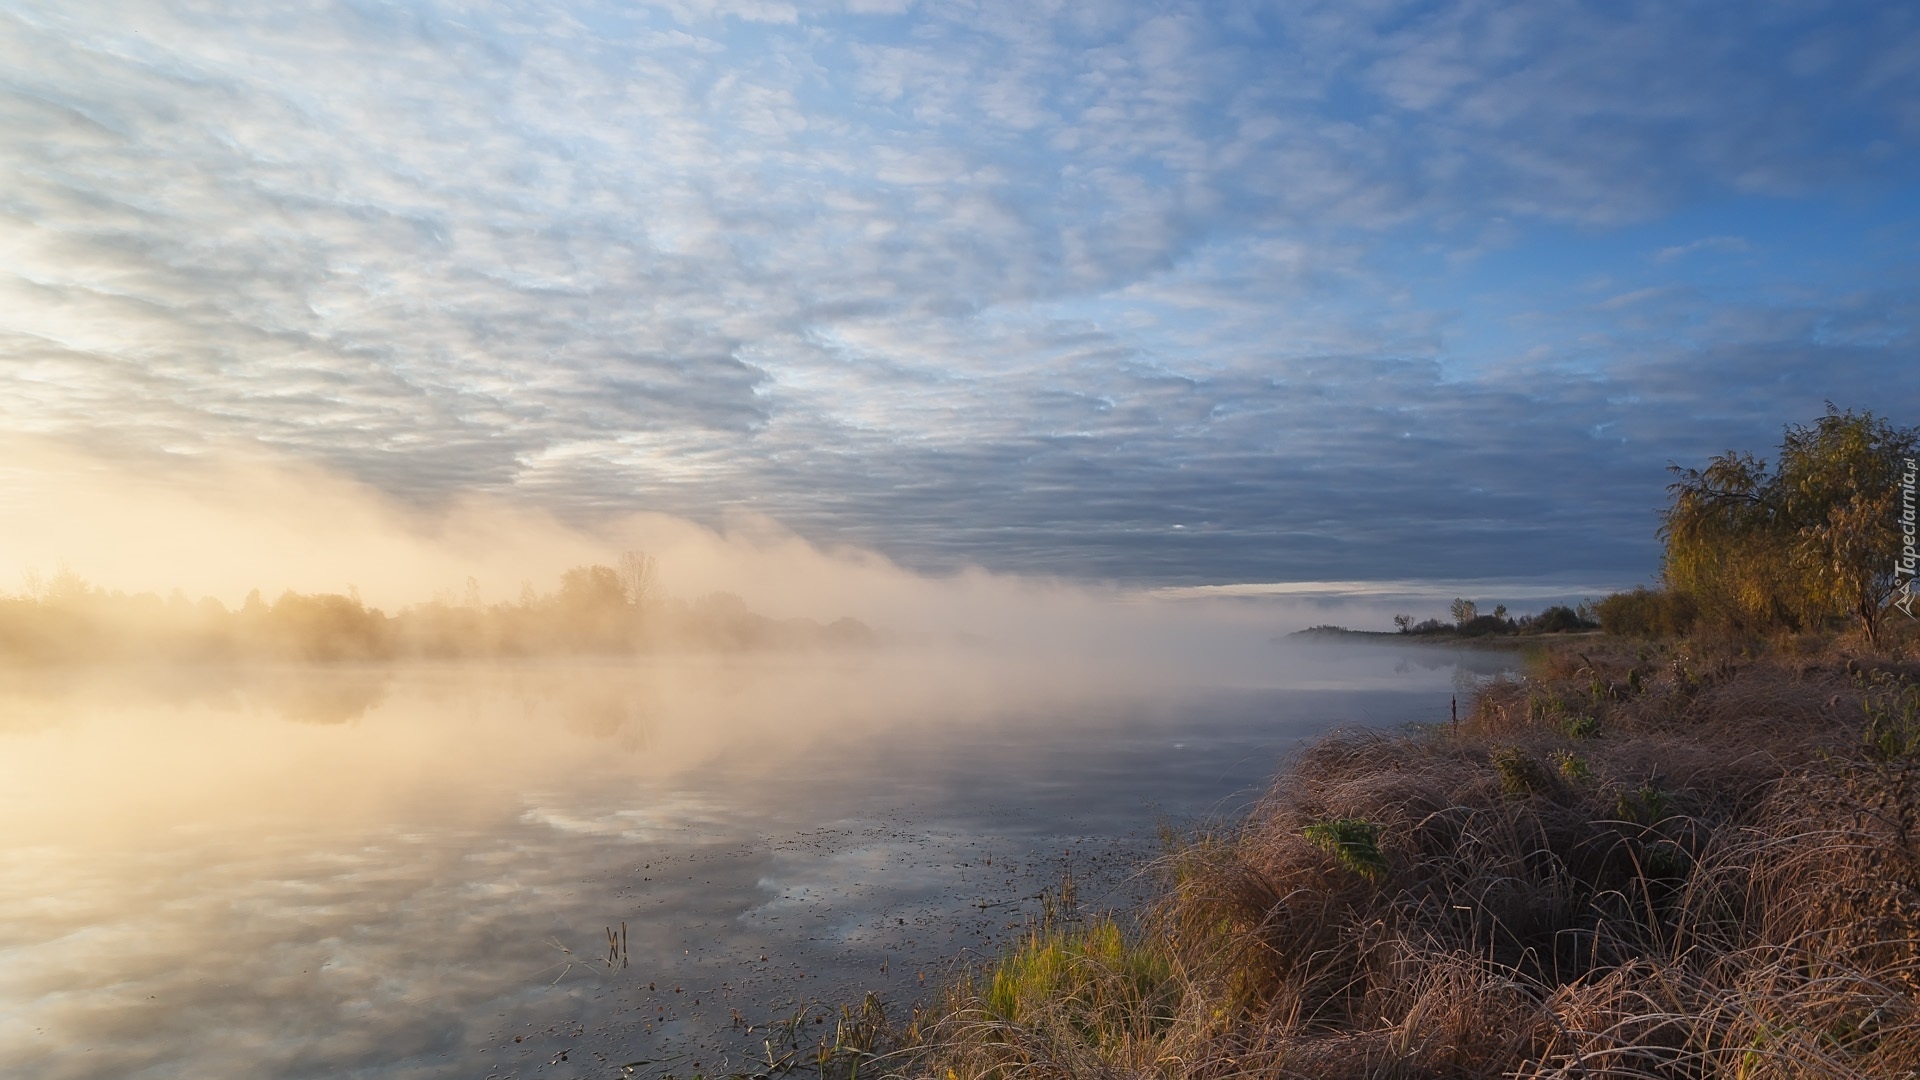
x: 1678, y: 860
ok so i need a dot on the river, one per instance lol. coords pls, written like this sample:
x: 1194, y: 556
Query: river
x: 414, y: 871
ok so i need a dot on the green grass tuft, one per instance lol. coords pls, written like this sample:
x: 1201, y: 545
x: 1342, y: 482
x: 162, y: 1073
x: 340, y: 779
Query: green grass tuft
x: 1645, y: 805
x: 1520, y: 775
x: 1095, y: 967
x: 1355, y: 842
x: 1571, y: 766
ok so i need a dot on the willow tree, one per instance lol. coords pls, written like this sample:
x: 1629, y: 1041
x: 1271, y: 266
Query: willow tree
x: 1811, y: 541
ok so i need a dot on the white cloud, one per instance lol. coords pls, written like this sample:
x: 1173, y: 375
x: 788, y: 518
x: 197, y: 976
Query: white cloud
x: 1715, y: 244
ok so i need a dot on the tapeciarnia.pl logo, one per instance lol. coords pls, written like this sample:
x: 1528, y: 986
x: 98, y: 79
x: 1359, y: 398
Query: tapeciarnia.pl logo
x: 1903, y: 567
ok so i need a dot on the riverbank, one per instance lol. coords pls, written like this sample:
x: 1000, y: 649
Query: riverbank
x: 1441, y: 636
x: 1636, y: 860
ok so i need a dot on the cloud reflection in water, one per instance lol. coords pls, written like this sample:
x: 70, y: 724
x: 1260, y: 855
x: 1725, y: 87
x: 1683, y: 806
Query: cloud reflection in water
x: 205, y: 878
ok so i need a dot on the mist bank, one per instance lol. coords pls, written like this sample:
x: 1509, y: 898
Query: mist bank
x: 596, y: 610
x: 238, y: 554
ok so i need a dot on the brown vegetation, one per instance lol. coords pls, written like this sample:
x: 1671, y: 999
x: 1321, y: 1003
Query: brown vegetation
x: 1676, y: 860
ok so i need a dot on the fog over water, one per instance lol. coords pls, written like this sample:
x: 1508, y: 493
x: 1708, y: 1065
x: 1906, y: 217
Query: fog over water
x: 395, y: 870
x: 223, y: 524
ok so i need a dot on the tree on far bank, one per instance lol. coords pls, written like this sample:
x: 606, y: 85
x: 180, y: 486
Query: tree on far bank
x: 637, y: 579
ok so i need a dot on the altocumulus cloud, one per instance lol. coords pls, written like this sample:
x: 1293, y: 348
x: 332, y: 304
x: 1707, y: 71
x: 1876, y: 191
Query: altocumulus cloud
x: 1152, y: 292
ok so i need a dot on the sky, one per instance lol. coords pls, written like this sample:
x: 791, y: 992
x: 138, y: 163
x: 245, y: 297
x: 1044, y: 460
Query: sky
x: 1156, y: 294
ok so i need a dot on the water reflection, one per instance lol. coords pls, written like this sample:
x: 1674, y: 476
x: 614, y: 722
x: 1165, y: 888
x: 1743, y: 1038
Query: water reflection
x: 414, y: 871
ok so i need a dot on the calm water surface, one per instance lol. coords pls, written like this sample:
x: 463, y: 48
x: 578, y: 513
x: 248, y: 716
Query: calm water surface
x: 412, y: 872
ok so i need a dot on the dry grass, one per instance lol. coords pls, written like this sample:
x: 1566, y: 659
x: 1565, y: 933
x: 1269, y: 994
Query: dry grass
x: 1677, y: 861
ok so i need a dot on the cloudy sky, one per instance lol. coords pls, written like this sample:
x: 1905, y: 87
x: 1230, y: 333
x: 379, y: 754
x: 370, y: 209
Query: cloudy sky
x: 1143, y: 292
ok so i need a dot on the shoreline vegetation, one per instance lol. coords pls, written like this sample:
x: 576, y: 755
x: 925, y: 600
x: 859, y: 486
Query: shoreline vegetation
x: 1685, y: 844
x: 1639, y: 859
x: 1498, y: 629
x: 597, y: 611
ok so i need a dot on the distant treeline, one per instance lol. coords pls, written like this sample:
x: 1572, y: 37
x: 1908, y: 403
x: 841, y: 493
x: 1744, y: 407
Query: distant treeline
x: 1468, y: 621
x: 596, y: 610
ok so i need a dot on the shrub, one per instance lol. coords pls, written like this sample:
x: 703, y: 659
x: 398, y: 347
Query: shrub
x: 1571, y: 766
x: 1483, y: 625
x: 1580, y: 726
x: 1644, y: 805
x: 1893, y: 720
x: 1648, y: 613
x: 1520, y: 775
x: 1558, y: 619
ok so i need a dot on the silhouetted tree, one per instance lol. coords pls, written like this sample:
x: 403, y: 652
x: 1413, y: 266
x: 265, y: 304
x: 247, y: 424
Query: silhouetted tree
x: 637, y: 578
